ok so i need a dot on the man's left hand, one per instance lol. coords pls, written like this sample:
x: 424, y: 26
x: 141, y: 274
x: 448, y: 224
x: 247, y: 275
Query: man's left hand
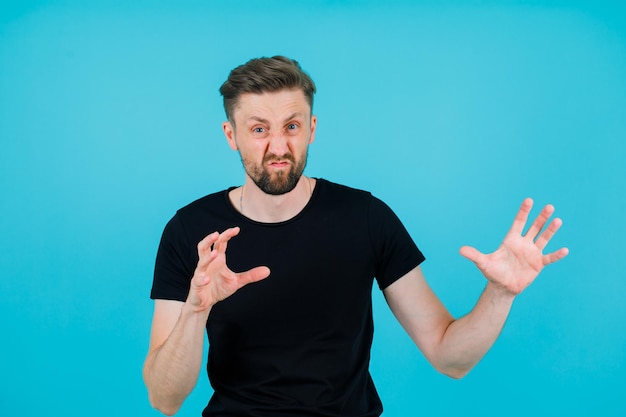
x: 519, y: 259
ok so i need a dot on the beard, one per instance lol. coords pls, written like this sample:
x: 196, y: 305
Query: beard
x: 280, y: 182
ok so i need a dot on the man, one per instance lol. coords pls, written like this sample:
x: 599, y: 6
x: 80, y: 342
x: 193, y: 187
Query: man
x: 280, y: 271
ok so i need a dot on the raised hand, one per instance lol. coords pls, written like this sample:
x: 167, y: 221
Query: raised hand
x: 519, y: 259
x: 212, y: 280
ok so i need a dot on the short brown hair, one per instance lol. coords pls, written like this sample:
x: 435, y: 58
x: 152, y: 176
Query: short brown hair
x: 265, y: 75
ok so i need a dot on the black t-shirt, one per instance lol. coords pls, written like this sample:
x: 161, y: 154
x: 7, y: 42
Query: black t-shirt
x: 297, y: 343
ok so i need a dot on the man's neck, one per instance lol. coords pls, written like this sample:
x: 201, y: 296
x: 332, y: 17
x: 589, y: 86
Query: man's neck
x: 259, y: 206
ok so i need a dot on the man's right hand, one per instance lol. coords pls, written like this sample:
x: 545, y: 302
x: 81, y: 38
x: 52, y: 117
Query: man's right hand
x: 212, y: 280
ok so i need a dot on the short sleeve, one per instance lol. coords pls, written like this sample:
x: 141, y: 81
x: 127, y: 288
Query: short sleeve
x: 174, y: 264
x: 396, y: 252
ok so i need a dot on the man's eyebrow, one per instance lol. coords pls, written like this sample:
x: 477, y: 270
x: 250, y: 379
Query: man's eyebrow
x: 262, y: 120
x: 293, y: 116
x: 258, y: 119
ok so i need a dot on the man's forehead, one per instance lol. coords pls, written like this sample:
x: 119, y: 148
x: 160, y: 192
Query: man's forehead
x: 278, y: 103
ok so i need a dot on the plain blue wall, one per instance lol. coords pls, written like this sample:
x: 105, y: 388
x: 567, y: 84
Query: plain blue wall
x: 452, y: 112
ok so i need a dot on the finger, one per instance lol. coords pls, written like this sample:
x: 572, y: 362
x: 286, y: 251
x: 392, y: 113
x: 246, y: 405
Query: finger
x: 555, y: 256
x: 472, y: 254
x: 222, y: 241
x: 204, y: 248
x: 546, y: 235
x: 522, y: 217
x: 254, y: 275
x: 200, y: 278
x: 205, y: 244
x: 540, y: 221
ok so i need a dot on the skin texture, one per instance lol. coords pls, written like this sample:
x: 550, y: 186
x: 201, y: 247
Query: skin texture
x: 272, y: 133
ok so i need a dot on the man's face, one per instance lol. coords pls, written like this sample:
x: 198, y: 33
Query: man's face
x: 272, y: 132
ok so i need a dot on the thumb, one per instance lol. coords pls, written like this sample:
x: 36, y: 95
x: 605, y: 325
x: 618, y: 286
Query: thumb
x: 471, y: 253
x: 255, y: 274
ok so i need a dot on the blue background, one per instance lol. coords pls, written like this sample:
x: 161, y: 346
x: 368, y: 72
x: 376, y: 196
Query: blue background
x: 451, y: 112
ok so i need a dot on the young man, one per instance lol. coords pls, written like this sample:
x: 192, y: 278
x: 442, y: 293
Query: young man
x: 280, y: 270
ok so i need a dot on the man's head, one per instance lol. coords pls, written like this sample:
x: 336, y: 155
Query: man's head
x: 265, y: 75
x: 268, y: 102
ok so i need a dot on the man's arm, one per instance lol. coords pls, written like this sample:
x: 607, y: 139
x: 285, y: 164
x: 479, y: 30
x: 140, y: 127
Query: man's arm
x: 455, y: 346
x: 452, y: 346
x: 174, y: 357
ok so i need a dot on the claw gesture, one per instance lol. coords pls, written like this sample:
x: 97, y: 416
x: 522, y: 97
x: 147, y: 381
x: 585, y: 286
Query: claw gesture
x: 519, y: 259
x: 212, y: 280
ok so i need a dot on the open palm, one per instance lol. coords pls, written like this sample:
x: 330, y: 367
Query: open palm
x: 519, y: 259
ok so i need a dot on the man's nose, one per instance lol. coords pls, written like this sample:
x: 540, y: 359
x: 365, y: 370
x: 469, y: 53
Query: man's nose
x: 278, y: 144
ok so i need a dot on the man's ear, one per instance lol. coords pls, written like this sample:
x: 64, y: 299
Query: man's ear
x: 229, y: 132
x: 313, y: 125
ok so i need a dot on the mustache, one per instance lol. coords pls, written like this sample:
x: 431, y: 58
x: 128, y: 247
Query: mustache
x: 270, y: 157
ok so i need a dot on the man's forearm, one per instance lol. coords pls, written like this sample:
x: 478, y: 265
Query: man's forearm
x: 171, y: 371
x: 468, y: 339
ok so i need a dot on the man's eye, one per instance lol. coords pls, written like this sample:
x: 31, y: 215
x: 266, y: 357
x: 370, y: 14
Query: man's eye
x: 258, y: 130
x: 292, y: 126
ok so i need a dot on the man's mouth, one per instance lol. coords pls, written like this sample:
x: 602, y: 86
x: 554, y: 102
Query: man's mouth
x: 279, y: 164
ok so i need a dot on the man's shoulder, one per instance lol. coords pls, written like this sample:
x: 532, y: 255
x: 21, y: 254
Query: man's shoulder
x: 340, y: 190
x: 211, y: 202
x: 350, y: 197
x: 202, y: 216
